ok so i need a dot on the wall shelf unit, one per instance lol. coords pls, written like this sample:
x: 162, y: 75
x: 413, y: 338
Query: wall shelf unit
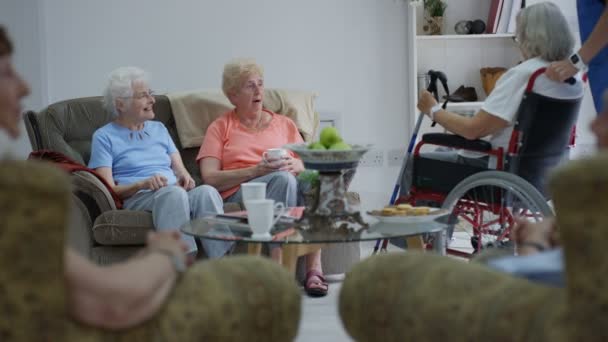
x: 466, y: 36
x: 460, y: 57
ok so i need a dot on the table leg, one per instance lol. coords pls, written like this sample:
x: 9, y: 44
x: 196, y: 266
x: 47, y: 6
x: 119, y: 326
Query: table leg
x: 439, y: 242
x: 291, y: 252
x: 290, y: 257
x: 254, y: 248
x: 415, y: 243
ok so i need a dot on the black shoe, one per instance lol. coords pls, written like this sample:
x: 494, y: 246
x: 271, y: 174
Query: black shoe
x: 463, y: 94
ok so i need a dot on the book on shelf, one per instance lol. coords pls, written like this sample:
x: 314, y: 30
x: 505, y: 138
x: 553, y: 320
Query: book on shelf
x: 494, y: 16
x: 505, y: 16
x: 515, y: 8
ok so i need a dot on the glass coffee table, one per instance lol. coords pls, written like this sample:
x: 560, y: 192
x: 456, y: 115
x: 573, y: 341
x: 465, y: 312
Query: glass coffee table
x: 296, y: 242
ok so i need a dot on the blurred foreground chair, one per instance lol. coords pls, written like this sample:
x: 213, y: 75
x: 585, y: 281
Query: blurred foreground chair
x: 398, y: 297
x: 220, y: 300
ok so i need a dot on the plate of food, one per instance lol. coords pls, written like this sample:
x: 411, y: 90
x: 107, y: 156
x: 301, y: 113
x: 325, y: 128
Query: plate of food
x: 405, y: 213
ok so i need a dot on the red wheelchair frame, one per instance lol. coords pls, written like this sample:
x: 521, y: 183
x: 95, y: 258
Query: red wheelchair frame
x: 469, y: 210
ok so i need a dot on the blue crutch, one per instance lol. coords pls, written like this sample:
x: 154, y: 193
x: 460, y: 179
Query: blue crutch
x: 432, y: 88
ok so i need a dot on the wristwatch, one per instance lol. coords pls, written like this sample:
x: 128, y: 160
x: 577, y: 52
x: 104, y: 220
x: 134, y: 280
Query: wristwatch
x: 577, y: 61
x: 178, y: 263
x: 434, y: 110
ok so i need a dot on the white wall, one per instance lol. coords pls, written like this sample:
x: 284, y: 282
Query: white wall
x: 22, y: 18
x: 352, y: 52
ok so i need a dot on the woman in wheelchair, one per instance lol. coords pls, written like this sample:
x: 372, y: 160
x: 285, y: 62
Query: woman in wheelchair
x: 543, y: 36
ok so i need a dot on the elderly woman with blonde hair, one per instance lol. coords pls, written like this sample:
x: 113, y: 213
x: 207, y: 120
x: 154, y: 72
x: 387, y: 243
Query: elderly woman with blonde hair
x: 231, y: 152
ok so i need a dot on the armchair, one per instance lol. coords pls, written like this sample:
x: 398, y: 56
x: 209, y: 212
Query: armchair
x: 208, y: 303
x: 68, y: 127
x: 432, y: 298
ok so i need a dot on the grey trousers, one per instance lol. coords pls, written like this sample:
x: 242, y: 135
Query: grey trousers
x: 281, y: 186
x: 172, y: 207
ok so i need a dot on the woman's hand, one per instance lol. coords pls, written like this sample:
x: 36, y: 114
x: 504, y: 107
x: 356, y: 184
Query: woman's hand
x: 266, y: 167
x: 154, y: 183
x: 561, y: 70
x: 292, y: 165
x: 186, y: 181
x: 426, y: 102
x: 168, y: 241
x: 527, y: 235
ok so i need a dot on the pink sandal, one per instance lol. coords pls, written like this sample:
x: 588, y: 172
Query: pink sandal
x: 315, y: 285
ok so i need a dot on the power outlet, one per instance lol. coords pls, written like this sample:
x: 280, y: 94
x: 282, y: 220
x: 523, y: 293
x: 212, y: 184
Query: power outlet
x: 395, y: 157
x: 373, y: 158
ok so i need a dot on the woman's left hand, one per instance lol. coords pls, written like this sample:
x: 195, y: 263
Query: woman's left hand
x: 186, y: 181
x: 293, y: 165
x: 426, y: 102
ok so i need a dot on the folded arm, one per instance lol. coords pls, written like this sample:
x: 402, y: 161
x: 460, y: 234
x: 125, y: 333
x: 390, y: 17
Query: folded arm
x: 125, y: 191
x: 184, y: 178
x: 124, y: 294
x: 212, y: 173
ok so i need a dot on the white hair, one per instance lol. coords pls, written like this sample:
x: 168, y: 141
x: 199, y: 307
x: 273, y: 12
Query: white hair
x: 542, y: 31
x: 120, y: 85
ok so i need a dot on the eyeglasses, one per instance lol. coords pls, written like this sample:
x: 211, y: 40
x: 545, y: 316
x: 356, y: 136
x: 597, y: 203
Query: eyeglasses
x: 143, y: 94
x: 251, y: 86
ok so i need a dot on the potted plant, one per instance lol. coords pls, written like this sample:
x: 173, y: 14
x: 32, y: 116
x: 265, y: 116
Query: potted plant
x: 435, y: 10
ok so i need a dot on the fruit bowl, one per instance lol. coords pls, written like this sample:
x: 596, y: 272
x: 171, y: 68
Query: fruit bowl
x: 329, y: 160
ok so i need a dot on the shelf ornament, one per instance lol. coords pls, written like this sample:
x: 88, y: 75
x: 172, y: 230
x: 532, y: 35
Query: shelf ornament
x: 434, y: 11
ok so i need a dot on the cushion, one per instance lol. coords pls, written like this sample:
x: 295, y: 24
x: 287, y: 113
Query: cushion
x: 122, y: 227
x: 195, y: 110
x: 129, y: 227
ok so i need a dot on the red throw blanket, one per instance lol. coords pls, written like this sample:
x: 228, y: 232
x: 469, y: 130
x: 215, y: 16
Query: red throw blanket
x: 67, y: 164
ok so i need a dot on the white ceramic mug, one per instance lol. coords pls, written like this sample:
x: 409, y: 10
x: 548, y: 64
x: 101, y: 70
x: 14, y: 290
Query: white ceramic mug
x: 253, y: 191
x: 273, y: 154
x: 262, y: 215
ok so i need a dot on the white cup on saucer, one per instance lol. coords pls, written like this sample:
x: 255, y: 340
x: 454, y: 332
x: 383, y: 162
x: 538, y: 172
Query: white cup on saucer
x: 253, y: 191
x: 262, y: 215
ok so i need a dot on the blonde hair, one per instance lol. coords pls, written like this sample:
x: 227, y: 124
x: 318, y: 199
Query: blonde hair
x: 236, y: 70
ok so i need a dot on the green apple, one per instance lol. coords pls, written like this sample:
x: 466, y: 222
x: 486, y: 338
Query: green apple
x: 316, y: 146
x: 341, y: 145
x: 329, y: 136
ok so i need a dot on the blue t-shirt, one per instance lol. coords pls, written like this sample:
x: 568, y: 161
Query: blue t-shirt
x: 133, y: 155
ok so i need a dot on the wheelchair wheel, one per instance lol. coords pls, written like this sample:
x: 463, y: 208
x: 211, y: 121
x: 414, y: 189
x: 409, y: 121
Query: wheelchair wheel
x: 483, y: 207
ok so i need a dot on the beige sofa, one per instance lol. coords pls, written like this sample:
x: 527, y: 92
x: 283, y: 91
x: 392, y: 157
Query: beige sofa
x: 68, y: 126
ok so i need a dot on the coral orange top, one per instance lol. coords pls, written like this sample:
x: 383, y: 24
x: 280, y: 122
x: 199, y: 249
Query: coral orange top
x: 238, y: 147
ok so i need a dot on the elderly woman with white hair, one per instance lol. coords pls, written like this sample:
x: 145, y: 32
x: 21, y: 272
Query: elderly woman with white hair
x: 543, y: 36
x: 231, y: 152
x: 138, y: 157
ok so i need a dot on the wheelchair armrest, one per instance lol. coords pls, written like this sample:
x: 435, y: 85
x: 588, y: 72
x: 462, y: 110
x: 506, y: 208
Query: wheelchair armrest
x: 456, y: 141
